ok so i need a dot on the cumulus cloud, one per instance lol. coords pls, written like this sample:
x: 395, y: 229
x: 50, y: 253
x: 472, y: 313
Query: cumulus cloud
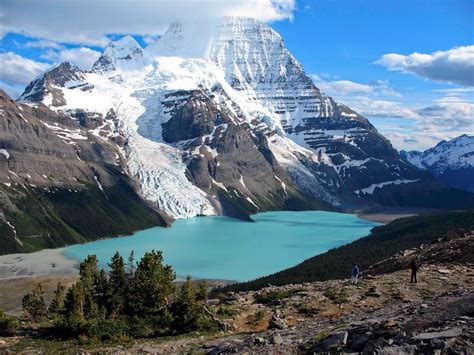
x: 88, y: 21
x: 14, y: 91
x: 341, y: 88
x: 16, y: 69
x: 449, y: 113
x: 370, y: 99
x: 368, y: 106
x: 43, y: 43
x: 455, y: 65
x: 82, y: 57
x: 407, y: 126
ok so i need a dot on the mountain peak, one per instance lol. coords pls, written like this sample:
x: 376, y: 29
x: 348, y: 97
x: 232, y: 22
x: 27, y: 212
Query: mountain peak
x: 199, y: 39
x: 450, y: 161
x: 123, y: 54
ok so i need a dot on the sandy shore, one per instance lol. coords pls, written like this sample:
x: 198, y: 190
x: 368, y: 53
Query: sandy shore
x: 19, y: 273
x: 48, y: 262
x: 390, y: 214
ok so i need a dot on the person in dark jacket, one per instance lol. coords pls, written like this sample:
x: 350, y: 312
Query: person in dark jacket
x: 414, y: 270
x: 355, y: 274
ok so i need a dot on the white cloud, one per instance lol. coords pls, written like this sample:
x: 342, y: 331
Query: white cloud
x: 341, y: 88
x: 16, y: 69
x: 88, y: 21
x: 371, y: 99
x: 407, y: 127
x: 43, y: 43
x: 82, y: 57
x: 453, y: 66
x: 368, y: 106
x: 445, y: 118
x: 14, y: 91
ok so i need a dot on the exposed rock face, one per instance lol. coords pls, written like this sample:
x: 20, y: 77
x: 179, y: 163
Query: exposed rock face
x: 66, y: 173
x: 47, y: 87
x: 451, y: 162
x: 196, y: 118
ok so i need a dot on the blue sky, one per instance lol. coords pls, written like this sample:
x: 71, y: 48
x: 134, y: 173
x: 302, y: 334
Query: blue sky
x: 363, y: 53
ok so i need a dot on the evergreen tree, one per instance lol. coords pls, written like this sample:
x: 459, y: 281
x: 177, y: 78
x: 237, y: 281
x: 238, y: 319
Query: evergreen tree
x: 33, y: 304
x: 131, y: 264
x: 130, y: 288
x: 117, y: 286
x: 153, y: 291
x: 202, y: 291
x: 8, y: 325
x: 74, y: 308
x: 186, y: 309
x: 57, y: 304
x: 87, y: 279
x: 101, y: 293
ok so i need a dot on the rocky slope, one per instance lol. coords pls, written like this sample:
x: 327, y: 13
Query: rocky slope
x: 451, y: 162
x: 220, y: 118
x: 60, y: 184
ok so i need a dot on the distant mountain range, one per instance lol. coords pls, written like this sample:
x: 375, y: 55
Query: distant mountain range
x: 452, y: 162
x: 215, y: 118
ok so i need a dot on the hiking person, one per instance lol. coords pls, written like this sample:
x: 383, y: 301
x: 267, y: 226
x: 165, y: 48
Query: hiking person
x: 414, y: 270
x: 355, y: 274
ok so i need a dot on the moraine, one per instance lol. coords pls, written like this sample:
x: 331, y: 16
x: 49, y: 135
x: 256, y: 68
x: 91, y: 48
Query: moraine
x: 229, y: 249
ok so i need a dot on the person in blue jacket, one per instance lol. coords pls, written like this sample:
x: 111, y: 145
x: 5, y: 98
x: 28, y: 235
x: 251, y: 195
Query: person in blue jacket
x: 355, y: 274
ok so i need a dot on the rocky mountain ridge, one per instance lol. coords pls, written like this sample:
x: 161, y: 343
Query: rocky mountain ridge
x: 178, y: 107
x: 452, y: 162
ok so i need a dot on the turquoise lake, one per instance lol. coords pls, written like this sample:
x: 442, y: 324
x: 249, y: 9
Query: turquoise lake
x: 229, y: 249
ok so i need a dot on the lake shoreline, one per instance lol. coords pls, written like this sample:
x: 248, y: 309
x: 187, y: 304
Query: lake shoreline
x: 20, y: 272
x: 387, y: 215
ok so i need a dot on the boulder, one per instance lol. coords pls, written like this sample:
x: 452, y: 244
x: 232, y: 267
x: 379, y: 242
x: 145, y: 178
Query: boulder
x: 277, y: 323
x: 332, y: 343
x: 450, y: 333
x: 276, y: 339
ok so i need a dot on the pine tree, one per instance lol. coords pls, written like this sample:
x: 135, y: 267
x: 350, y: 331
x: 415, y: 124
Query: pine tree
x: 87, y: 280
x: 74, y: 308
x: 131, y: 264
x: 202, y: 291
x: 116, y: 287
x: 154, y: 289
x: 101, y: 293
x: 130, y: 287
x: 57, y: 304
x: 33, y: 304
x: 186, y: 309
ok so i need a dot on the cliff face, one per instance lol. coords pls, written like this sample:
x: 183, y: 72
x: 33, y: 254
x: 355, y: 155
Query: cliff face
x: 60, y: 185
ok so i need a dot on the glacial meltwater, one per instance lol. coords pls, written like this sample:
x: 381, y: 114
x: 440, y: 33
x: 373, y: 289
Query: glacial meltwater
x: 229, y: 249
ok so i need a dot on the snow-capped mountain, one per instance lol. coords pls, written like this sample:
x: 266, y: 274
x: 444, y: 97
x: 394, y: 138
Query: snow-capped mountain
x: 220, y: 118
x: 450, y: 161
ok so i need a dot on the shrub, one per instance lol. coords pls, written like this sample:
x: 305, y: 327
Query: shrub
x: 8, y: 325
